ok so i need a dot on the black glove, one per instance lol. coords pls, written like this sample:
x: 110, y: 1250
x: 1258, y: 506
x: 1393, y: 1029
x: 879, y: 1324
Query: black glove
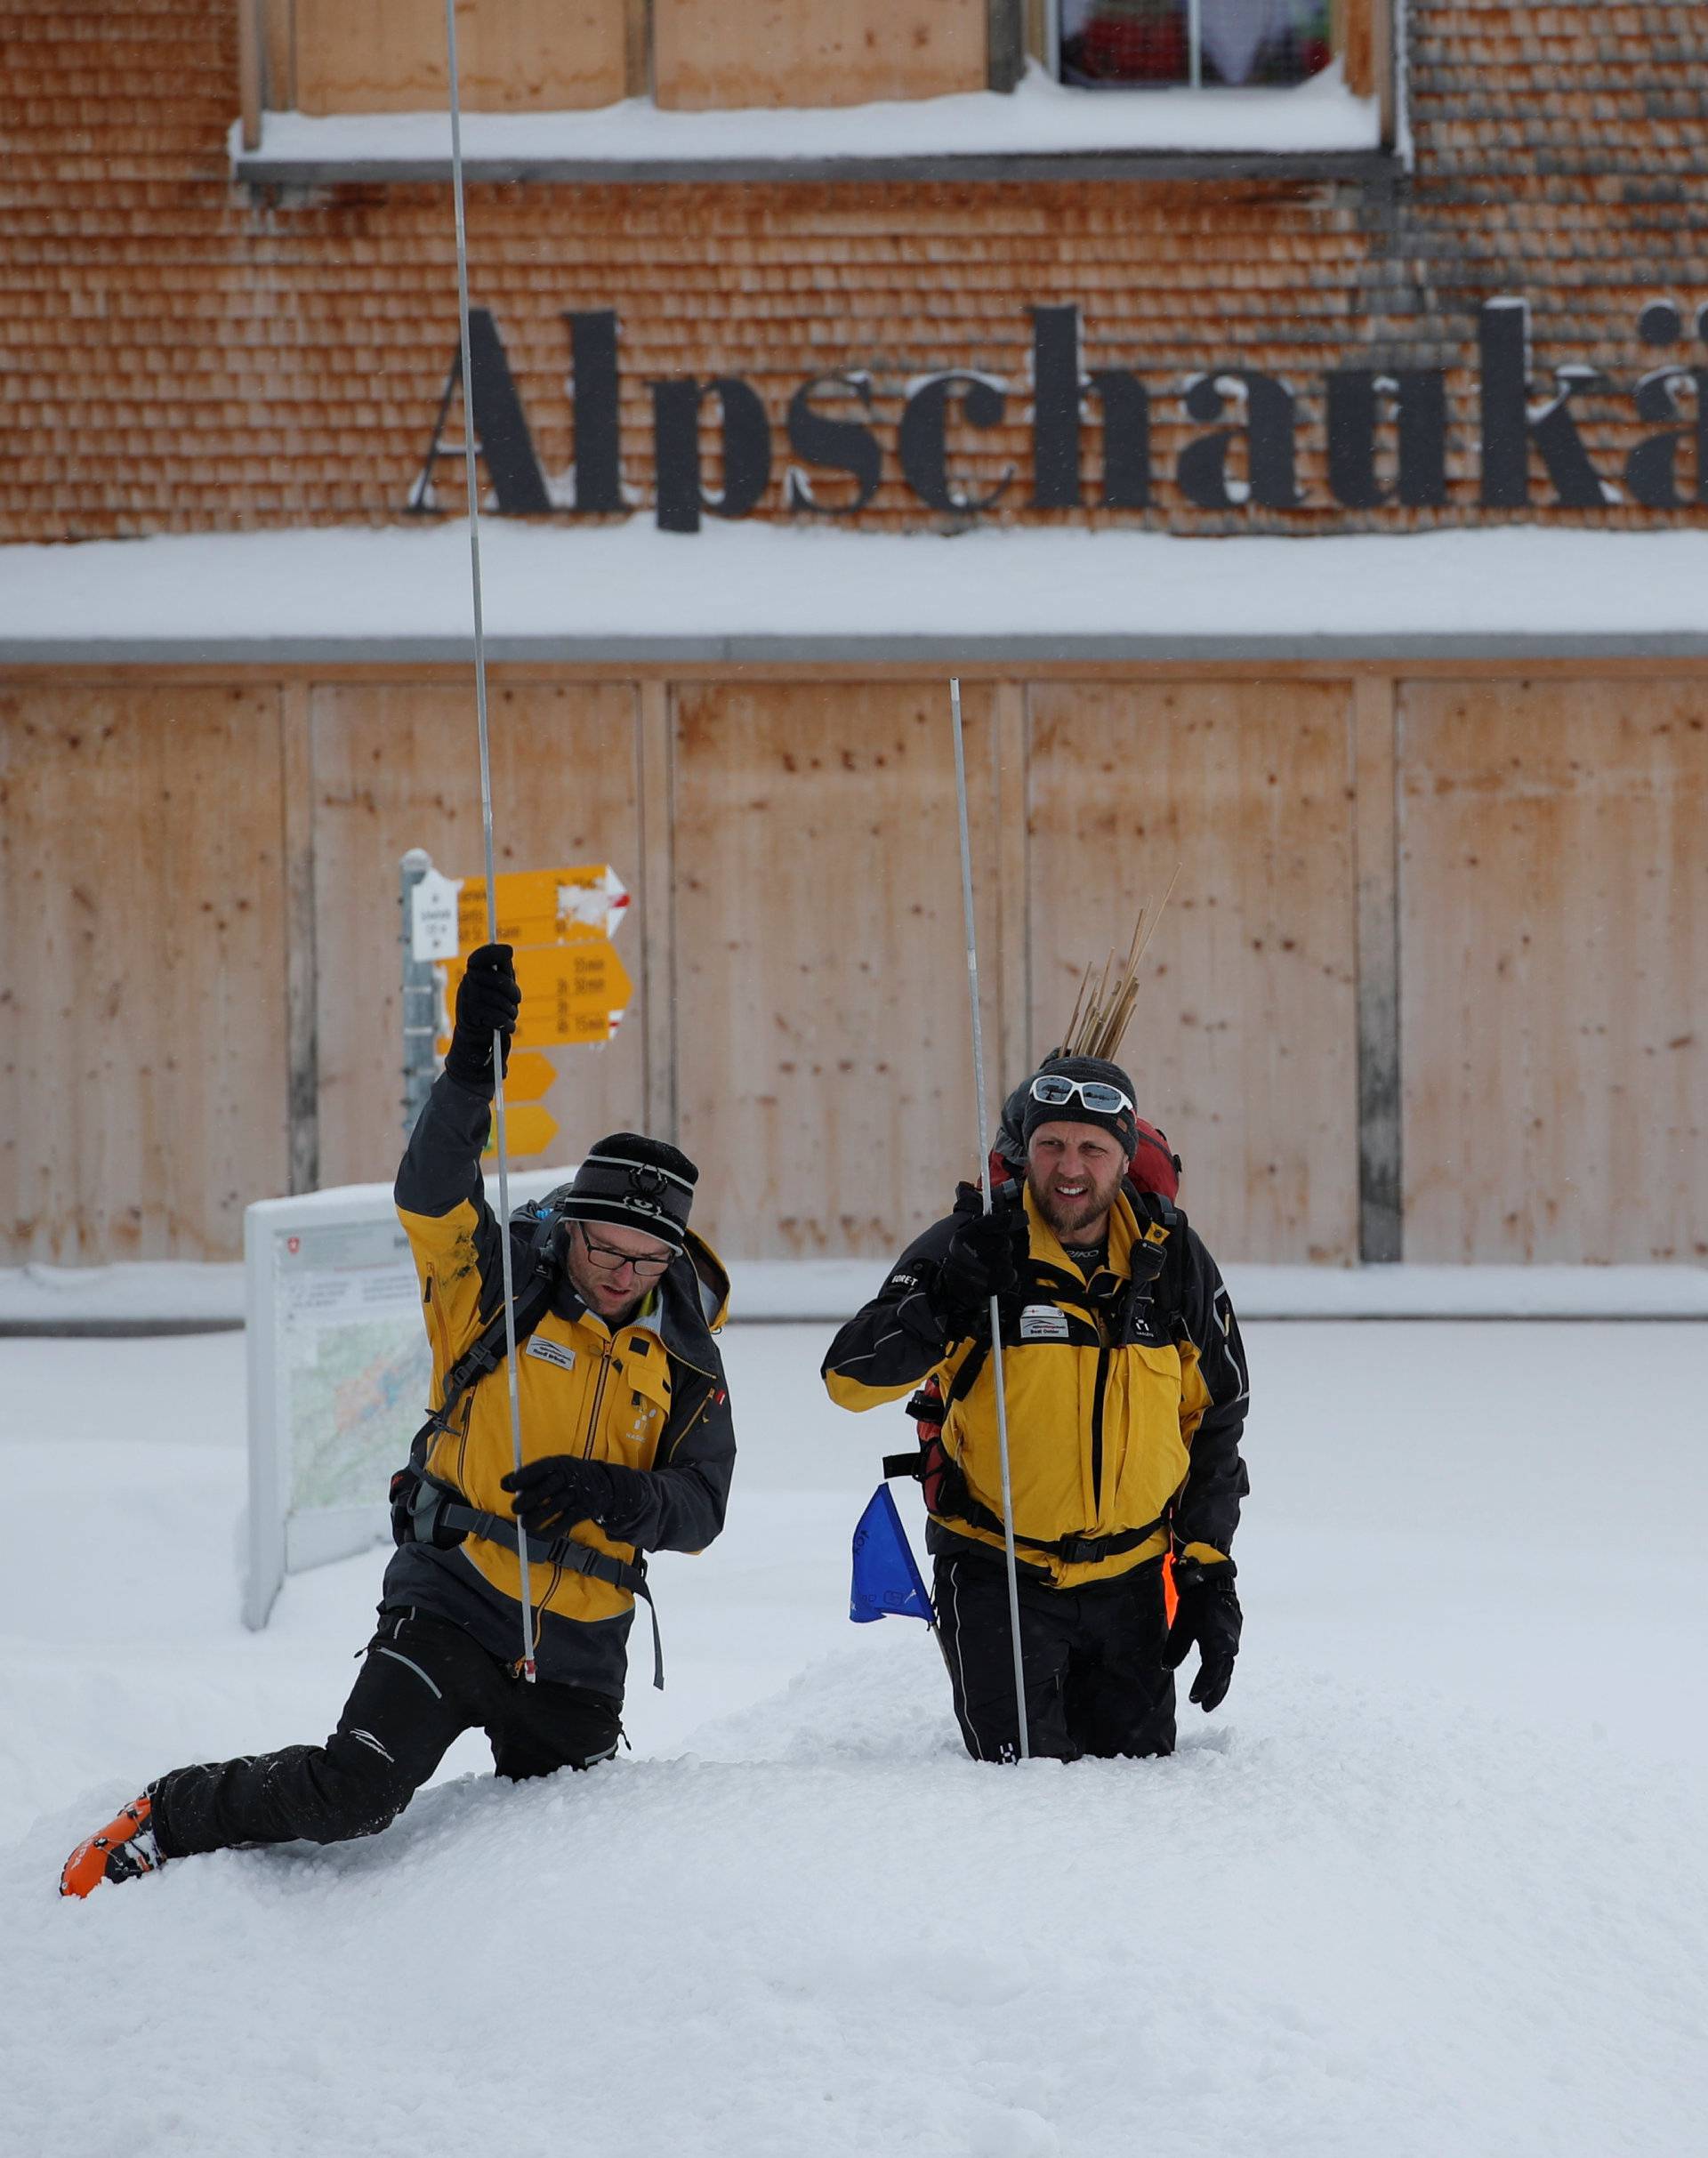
x: 487, y: 1003
x: 553, y: 1494
x: 983, y: 1259
x: 1208, y: 1613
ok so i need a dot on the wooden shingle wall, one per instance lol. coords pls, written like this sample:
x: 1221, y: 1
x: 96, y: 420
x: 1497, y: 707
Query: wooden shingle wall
x: 184, y: 355
x: 1488, y: 891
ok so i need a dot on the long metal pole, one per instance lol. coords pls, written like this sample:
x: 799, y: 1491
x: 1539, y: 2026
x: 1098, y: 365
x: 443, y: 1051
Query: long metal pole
x: 528, y: 1668
x: 983, y: 1179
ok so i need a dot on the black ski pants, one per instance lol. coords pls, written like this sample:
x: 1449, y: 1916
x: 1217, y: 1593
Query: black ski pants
x: 1092, y: 1659
x: 422, y: 1683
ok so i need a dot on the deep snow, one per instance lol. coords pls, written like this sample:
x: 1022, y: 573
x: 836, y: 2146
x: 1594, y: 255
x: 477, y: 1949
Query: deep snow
x: 1431, y: 1883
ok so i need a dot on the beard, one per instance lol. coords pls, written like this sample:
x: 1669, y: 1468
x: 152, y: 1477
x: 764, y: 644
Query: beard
x: 1069, y: 1216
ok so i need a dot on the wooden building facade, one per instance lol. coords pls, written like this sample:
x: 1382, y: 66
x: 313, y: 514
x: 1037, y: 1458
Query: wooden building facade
x: 1434, y: 980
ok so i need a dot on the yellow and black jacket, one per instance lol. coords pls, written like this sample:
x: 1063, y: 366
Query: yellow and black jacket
x: 1126, y: 1395
x: 649, y: 1395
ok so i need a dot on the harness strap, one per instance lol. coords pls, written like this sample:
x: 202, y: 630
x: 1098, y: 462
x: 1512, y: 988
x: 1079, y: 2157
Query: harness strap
x: 434, y: 1503
x: 1072, y: 1550
x: 488, y: 1350
x: 958, y: 1503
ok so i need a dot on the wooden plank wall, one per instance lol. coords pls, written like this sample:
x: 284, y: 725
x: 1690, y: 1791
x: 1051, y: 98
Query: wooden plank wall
x: 1433, y: 984
x: 1554, y: 934
x: 824, y: 1042
x: 1244, y: 1045
x: 395, y: 767
x: 709, y: 53
x: 389, y: 56
x: 143, y: 1008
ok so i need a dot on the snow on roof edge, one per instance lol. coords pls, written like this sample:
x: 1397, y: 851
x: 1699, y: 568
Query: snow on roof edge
x: 608, y: 588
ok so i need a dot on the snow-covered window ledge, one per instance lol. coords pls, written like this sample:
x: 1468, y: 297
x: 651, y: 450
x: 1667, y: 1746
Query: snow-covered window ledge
x: 1041, y: 130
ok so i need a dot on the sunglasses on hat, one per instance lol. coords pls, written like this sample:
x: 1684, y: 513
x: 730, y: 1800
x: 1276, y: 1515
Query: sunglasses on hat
x: 1055, y: 1090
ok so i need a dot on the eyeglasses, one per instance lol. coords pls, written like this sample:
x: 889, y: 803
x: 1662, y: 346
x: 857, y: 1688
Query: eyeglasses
x: 1056, y: 1090
x: 609, y: 1259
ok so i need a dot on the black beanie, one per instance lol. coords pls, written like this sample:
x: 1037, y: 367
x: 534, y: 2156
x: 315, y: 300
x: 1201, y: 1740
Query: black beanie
x: 1122, y: 1122
x: 635, y: 1183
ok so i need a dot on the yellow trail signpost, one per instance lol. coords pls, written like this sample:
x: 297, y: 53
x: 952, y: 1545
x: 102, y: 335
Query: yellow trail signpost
x: 575, y: 988
x: 541, y: 906
x: 573, y: 992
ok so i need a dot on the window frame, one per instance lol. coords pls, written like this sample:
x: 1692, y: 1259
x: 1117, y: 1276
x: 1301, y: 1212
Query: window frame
x: 1018, y: 32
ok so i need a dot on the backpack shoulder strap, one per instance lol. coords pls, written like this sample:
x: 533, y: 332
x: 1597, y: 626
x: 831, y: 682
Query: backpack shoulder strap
x: 534, y: 1281
x: 1158, y: 1255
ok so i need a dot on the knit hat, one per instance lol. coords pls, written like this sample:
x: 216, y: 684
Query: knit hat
x: 634, y: 1182
x: 1122, y: 1122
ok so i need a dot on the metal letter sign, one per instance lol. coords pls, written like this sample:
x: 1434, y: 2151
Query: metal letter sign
x: 1263, y: 416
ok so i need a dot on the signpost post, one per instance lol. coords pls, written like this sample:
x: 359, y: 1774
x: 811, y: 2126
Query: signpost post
x: 420, y: 985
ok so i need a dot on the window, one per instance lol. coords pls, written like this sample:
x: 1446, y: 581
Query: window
x: 1131, y: 44
x: 716, y: 89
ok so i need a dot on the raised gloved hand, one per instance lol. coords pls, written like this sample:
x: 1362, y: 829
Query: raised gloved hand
x: 1208, y: 1613
x: 983, y: 1259
x: 487, y: 1003
x: 553, y: 1494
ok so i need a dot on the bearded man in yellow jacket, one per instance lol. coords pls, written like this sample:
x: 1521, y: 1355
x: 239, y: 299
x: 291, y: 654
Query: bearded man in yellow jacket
x: 1126, y: 1395
x: 627, y: 1447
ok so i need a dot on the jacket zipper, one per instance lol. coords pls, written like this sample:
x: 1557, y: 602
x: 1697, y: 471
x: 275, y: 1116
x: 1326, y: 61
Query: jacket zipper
x: 436, y: 1321
x: 606, y: 1355
x: 668, y: 1454
x: 1100, y: 1387
x: 463, y: 1438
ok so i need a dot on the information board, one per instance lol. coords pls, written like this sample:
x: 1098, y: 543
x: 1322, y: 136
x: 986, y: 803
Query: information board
x: 338, y: 1374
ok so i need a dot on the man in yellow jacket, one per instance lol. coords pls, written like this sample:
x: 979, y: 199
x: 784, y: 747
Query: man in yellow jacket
x: 627, y: 1447
x: 1126, y: 1393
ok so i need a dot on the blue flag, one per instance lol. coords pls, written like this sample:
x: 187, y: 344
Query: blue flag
x: 886, y: 1581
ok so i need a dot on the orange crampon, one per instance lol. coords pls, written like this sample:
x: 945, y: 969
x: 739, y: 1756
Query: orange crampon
x: 124, y: 1850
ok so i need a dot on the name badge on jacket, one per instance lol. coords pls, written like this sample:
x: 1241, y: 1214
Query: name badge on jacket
x: 1042, y: 1323
x: 551, y: 1352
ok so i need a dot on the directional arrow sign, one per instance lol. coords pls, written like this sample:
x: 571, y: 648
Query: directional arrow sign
x: 528, y: 1076
x: 528, y: 1130
x: 576, y: 990
x: 543, y: 905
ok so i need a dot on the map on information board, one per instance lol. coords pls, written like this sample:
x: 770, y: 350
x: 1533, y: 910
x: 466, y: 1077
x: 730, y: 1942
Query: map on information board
x: 339, y: 1373
x: 357, y: 1366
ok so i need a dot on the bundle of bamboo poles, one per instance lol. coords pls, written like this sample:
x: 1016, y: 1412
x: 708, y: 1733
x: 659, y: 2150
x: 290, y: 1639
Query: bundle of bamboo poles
x: 1103, y: 1009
